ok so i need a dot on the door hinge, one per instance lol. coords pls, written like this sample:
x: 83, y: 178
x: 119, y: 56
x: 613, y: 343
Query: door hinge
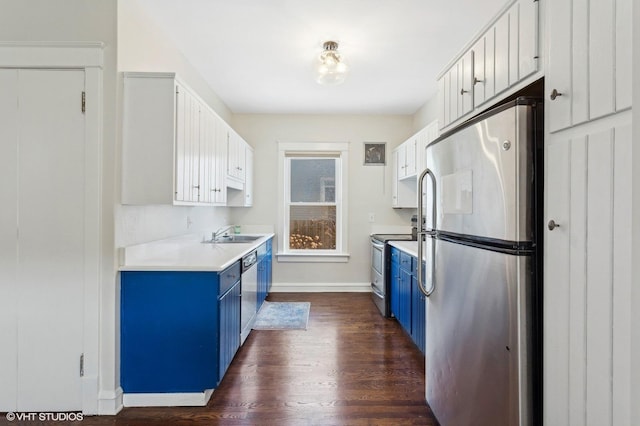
x: 84, y: 101
x: 82, y: 365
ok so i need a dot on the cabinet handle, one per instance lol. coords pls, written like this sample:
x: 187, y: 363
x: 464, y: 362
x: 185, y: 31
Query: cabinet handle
x: 196, y: 186
x: 552, y: 225
x: 462, y: 91
x: 476, y: 81
x: 554, y: 94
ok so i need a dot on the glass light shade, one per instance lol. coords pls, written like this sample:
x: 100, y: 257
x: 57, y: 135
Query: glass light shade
x: 332, y: 69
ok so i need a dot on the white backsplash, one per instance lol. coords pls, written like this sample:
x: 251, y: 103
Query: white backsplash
x: 141, y: 224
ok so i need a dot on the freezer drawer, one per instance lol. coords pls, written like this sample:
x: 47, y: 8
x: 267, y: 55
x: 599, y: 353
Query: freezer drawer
x: 478, y: 336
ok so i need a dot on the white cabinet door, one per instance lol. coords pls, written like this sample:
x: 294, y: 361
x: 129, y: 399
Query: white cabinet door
x: 466, y: 83
x: 623, y: 78
x: 441, y: 102
x: 44, y: 238
x: 558, y: 69
x: 588, y: 276
x: 601, y: 58
x: 514, y: 34
x: 479, y: 82
x: 248, y: 183
x: 395, y: 177
x: 207, y: 157
x: 221, y: 160
x: 490, y: 64
x: 528, y: 53
x: 454, y: 96
x: 501, y: 57
x: 556, y: 282
x: 187, y: 147
x: 410, y: 153
x: 236, y: 157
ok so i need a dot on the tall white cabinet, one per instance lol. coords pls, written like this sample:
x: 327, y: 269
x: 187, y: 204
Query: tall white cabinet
x: 588, y: 275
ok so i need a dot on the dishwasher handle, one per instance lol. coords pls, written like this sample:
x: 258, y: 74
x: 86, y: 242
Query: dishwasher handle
x: 249, y: 260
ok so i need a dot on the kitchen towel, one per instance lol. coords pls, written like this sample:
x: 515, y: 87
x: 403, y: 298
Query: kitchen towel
x: 283, y: 316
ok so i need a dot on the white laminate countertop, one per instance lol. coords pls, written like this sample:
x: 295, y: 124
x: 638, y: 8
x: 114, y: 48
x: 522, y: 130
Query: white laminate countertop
x: 410, y: 247
x: 185, y: 253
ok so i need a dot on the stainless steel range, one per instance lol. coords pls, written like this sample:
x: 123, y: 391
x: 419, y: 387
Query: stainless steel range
x: 380, y: 283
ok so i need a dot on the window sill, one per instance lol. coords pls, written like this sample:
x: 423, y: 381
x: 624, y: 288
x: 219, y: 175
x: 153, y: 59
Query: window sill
x: 313, y: 257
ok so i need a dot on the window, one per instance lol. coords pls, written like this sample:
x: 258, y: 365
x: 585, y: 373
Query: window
x: 313, y: 202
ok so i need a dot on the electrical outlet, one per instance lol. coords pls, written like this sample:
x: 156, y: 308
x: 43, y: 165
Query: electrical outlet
x: 372, y: 217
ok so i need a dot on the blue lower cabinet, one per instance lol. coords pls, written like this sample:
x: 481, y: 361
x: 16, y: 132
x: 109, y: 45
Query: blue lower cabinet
x: 408, y: 304
x: 418, y: 315
x: 179, y: 330
x: 229, y: 304
x: 264, y: 271
x: 394, y: 281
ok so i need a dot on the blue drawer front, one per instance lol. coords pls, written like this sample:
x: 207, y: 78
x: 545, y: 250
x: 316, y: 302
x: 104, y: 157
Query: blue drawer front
x: 169, y: 331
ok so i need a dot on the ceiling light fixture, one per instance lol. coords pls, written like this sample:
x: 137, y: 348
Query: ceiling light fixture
x: 332, y: 70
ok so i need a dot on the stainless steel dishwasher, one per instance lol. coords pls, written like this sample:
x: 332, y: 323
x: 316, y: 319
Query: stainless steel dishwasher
x: 249, y: 289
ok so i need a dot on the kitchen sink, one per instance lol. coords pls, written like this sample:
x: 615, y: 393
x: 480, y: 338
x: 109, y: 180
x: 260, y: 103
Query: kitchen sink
x: 230, y: 239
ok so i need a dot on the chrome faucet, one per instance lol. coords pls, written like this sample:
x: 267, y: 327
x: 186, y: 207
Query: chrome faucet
x: 215, y: 235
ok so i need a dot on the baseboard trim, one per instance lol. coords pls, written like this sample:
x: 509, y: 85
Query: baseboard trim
x: 321, y: 288
x: 110, y: 402
x: 190, y: 399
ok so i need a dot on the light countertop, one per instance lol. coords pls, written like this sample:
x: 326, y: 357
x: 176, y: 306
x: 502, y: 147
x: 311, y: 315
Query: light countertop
x: 185, y: 253
x: 410, y: 247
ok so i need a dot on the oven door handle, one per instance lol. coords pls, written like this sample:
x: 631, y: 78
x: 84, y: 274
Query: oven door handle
x: 376, y: 244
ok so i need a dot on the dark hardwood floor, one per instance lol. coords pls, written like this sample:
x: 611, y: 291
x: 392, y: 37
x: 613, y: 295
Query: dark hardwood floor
x: 350, y: 367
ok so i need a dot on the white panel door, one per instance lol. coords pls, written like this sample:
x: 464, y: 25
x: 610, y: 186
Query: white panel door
x: 51, y: 243
x: 501, y: 55
x: 556, y: 283
x: 207, y: 156
x: 221, y: 160
x: 187, y: 146
x: 558, y: 67
x: 528, y: 41
x: 601, y: 57
x: 479, y: 82
x: 8, y: 238
x: 587, y: 279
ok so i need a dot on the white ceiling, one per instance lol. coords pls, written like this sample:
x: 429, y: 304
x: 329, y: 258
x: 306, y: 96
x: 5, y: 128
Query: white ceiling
x: 258, y: 55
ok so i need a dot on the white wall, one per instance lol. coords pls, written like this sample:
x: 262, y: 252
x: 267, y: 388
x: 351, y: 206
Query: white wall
x: 369, y: 186
x: 81, y: 20
x: 144, y: 47
x: 426, y: 114
x: 635, y: 182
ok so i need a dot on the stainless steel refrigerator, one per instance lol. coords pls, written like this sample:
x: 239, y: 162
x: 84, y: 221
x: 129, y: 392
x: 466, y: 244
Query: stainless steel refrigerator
x: 482, y: 201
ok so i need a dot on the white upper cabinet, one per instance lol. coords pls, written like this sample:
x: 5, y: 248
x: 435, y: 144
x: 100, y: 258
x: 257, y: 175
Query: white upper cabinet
x: 242, y: 195
x: 502, y: 58
x: 188, y: 137
x: 172, y: 151
x: 236, y: 160
x: 407, y: 161
x: 588, y: 74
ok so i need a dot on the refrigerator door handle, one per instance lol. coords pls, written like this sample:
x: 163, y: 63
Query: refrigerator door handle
x: 421, y: 234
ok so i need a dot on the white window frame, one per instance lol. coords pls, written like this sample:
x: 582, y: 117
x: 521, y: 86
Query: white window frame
x: 339, y: 150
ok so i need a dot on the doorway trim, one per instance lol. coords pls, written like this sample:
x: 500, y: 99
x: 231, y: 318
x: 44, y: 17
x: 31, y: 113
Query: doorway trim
x: 87, y: 56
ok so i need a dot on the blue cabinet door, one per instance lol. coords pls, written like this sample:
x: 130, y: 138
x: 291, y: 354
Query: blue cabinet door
x: 169, y: 331
x: 418, y: 318
x: 229, y: 304
x: 404, y: 314
x: 394, y: 281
